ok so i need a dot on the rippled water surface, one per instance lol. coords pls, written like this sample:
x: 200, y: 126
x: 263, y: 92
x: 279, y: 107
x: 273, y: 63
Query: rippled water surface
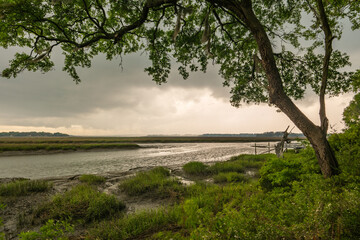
x: 39, y: 166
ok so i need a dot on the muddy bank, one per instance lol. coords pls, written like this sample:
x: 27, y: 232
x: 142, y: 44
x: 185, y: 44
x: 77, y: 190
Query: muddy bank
x: 18, y: 215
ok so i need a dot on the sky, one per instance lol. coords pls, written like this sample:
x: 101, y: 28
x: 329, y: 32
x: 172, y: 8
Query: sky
x: 124, y: 101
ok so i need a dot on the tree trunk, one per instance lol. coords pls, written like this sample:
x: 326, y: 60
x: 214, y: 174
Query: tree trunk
x: 326, y: 158
x: 325, y: 155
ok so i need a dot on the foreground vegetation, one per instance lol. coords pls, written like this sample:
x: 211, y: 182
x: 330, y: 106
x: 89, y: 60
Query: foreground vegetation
x: 291, y: 200
x: 247, y: 197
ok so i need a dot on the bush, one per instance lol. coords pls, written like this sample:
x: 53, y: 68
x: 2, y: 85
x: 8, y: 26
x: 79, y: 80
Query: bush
x: 155, y: 181
x: 82, y: 202
x: 24, y: 187
x: 281, y: 172
x: 196, y: 169
x: 229, y: 177
x: 92, y: 179
x: 347, y: 149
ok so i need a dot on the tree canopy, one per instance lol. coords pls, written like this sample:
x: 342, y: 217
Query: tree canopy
x: 192, y: 33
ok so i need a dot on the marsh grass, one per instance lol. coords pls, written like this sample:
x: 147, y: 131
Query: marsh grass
x: 230, y: 177
x: 92, y: 179
x: 241, y: 163
x: 156, y: 182
x: 63, y: 146
x: 141, y: 225
x: 82, y: 202
x: 51, y: 230
x: 196, y: 169
x: 24, y: 187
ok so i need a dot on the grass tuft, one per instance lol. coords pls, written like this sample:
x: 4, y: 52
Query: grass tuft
x: 230, y: 177
x: 24, y: 187
x: 136, y: 226
x: 156, y: 181
x: 196, y: 169
x: 82, y: 202
x: 92, y: 179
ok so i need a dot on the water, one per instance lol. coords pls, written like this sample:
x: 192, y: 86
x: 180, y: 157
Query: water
x: 164, y: 154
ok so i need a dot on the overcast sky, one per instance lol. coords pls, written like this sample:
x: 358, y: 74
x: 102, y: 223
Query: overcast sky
x: 111, y: 101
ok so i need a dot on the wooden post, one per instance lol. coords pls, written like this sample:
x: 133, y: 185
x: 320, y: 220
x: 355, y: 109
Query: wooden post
x: 255, y: 148
x: 269, y: 147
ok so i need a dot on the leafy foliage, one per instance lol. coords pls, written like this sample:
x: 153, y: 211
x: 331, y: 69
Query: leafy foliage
x: 283, y: 172
x: 351, y: 115
x: 191, y: 32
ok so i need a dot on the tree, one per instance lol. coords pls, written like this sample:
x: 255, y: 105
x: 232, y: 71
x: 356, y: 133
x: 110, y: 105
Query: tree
x: 258, y: 44
x: 351, y: 115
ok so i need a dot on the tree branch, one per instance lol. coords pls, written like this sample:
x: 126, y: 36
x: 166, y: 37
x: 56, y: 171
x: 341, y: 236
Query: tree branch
x: 326, y: 62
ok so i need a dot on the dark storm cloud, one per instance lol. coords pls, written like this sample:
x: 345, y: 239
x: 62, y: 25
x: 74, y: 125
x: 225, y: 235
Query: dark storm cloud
x: 105, y: 85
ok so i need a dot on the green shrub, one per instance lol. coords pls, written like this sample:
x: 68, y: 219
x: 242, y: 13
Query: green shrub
x: 229, y: 177
x: 82, y: 202
x: 347, y: 148
x: 155, y: 181
x: 24, y: 187
x: 281, y: 172
x: 92, y: 179
x: 51, y: 230
x: 196, y: 169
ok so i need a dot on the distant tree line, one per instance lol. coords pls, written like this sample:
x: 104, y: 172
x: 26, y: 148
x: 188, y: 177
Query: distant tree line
x: 32, y: 134
x: 265, y: 134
